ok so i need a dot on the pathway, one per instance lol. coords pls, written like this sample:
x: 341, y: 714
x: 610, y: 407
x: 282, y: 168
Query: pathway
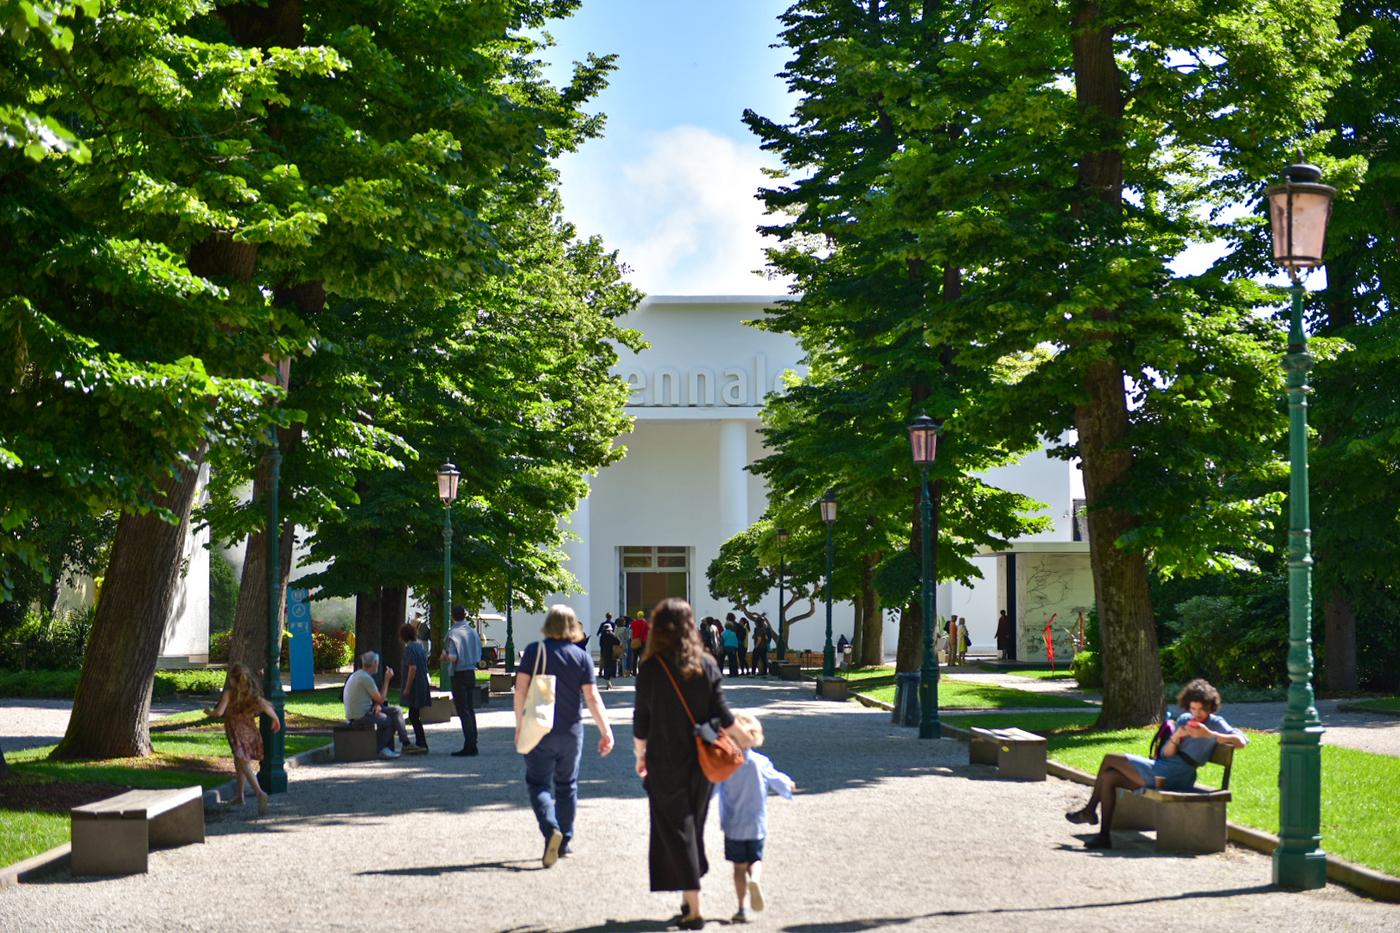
x: 886, y: 833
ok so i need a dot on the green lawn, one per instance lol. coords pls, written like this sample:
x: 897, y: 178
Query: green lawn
x: 1061, y: 674
x: 179, y: 760
x: 1358, y: 788
x: 958, y: 694
x: 1377, y: 705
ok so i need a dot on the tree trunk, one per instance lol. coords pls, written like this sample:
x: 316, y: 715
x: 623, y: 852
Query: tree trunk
x: 113, y: 704
x: 857, y: 628
x: 248, y: 643
x: 1132, y: 693
x: 872, y: 643
x: 1339, y: 630
x: 366, y: 623
x: 393, y: 610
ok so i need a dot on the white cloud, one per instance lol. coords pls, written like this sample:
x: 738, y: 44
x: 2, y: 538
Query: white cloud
x: 680, y: 209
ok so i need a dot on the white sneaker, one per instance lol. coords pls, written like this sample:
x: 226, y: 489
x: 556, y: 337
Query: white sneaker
x: 387, y: 752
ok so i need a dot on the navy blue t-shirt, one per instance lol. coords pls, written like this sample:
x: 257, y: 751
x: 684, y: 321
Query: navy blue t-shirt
x: 572, y: 668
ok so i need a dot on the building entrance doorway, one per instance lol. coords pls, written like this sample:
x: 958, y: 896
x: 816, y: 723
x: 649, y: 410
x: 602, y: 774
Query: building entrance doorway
x: 651, y: 574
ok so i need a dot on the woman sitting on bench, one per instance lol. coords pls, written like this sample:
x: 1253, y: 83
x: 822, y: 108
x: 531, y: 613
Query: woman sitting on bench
x: 1193, y: 741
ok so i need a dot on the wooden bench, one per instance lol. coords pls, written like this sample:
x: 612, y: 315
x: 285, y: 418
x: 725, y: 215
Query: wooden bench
x: 1185, y: 821
x: 114, y: 836
x: 355, y: 741
x: 1017, y: 754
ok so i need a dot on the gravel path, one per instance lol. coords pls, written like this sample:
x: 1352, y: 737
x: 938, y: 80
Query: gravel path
x: 32, y: 723
x: 1369, y: 732
x: 886, y: 833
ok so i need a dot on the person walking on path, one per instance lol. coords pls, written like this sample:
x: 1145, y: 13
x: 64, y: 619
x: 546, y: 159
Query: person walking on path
x: 240, y: 701
x: 676, y: 682
x: 551, y: 767
x: 416, y: 691
x: 608, y: 650
x: 624, y: 635
x: 762, y: 636
x: 1198, y: 730
x: 742, y: 630
x: 1004, y: 635
x: 367, y: 705
x: 463, y: 652
x: 743, y: 816
x: 606, y: 623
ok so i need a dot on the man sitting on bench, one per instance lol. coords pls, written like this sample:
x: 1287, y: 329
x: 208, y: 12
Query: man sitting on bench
x: 367, y: 705
x: 1192, y: 742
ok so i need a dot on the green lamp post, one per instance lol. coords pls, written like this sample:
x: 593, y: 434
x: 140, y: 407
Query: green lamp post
x: 1299, y: 210
x: 447, y: 478
x: 272, y: 772
x: 782, y: 599
x: 923, y: 440
x: 828, y: 509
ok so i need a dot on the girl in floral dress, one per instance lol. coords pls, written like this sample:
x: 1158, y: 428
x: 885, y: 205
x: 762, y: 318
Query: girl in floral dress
x: 238, y: 704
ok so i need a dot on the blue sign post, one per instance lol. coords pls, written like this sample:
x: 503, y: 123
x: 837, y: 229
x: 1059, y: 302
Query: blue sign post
x: 299, y: 631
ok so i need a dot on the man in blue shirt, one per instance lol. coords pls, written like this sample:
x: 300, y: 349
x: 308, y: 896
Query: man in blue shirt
x: 463, y: 653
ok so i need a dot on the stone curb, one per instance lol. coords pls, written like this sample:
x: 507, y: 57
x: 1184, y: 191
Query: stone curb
x: 35, y: 865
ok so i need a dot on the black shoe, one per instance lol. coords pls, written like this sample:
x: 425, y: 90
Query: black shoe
x: 691, y: 923
x: 1084, y: 815
x: 1101, y: 841
x: 464, y: 753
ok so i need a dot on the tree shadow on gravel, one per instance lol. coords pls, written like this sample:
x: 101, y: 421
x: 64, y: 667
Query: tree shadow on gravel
x: 434, y: 871
x: 880, y: 923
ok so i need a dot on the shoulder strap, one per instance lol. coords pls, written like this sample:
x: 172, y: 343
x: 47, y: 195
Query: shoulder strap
x: 684, y: 705
x: 541, y: 662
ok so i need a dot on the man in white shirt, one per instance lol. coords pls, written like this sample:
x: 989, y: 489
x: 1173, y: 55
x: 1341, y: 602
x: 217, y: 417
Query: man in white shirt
x: 463, y: 653
x: 366, y: 704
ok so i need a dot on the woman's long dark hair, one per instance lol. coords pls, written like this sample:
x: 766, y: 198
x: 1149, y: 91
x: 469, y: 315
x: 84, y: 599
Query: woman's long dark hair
x: 674, y: 638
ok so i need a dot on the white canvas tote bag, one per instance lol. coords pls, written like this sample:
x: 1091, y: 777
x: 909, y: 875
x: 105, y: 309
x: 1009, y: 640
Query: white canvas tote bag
x: 538, y: 717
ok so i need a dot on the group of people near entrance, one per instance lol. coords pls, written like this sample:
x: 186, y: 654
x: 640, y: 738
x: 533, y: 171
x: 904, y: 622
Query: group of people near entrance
x: 679, y: 696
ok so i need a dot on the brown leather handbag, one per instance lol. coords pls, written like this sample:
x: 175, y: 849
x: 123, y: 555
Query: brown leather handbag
x: 718, y: 759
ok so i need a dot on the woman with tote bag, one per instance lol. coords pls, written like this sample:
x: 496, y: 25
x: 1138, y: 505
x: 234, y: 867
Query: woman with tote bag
x: 678, y: 689
x: 555, y: 679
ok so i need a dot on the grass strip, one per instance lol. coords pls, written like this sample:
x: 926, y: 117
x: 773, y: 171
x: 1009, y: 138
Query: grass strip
x: 959, y: 694
x: 1377, y: 705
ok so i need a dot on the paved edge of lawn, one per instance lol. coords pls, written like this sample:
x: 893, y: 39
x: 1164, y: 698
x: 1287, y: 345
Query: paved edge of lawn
x: 1369, y: 881
x: 22, y: 871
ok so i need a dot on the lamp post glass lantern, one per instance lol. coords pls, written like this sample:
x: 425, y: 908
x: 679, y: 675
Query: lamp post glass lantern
x: 828, y: 511
x: 447, y: 477
x: 923, y: 444
x: 1299, y: 210
x: 782, y: 608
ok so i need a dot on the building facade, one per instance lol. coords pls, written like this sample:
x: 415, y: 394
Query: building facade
x: 654, y: 521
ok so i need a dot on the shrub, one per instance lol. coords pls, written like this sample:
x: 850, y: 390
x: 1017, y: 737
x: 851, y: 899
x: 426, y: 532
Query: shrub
x: 1227, y: 640
x: 219, y: 646
x: 1087, y: 670
x: 330, y: 650
x: 64, y: 684
x: 47, y: 642
x: 223, y: 592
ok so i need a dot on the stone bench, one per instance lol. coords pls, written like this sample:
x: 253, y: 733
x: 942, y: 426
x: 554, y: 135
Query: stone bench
x: 501, y: 682
x: 1185, y: 821
x: 355, y: 741
x: 439, y: 711
x: 787, y: 670
x: 115, y: 836
x: 833, y: 688
x: 1017, y: 754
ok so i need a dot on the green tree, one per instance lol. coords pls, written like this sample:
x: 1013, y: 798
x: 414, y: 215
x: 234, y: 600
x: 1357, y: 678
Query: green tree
x: 746, y: 571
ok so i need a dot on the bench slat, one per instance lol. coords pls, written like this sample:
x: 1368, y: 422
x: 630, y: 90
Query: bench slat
x: 1176, y: 796
x: 138, y: 804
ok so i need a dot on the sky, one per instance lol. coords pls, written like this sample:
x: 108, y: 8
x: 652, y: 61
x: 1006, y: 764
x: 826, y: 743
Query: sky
x: 672, y: 183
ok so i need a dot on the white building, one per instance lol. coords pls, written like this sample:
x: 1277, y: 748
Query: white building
x: 653, y: 521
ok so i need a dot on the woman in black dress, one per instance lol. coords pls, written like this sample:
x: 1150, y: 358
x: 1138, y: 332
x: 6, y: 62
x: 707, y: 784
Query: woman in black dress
x: 678, y: 793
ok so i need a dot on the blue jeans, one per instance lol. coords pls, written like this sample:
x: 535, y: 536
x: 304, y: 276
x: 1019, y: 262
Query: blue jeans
x: 551, y: 776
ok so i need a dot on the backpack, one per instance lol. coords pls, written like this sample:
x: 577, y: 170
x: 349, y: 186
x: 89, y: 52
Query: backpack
x: 1161, y: 737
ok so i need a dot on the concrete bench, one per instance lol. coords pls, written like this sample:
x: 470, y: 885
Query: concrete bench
x: 440, y: 710
x: 1017, y: 754
x: 1185, y: 821
x: 787, y: 670
x: 501, y: 682
x: 355, y: 742
x: 114, y: 836
x: 833, y: 688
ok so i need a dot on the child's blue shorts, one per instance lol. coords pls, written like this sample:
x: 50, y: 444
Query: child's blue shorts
x: 743, y: 851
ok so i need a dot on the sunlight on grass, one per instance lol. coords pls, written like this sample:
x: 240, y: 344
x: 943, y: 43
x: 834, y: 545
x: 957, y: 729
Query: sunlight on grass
x: 958, y: 694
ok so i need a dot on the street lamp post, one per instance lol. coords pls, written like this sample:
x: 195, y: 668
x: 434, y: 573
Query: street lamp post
x: 447, y: 478
x: 782, y: 598
x: 828, y: 508
x: 272, y: 772
x: 1299, y: 210
x: 923, y: 440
